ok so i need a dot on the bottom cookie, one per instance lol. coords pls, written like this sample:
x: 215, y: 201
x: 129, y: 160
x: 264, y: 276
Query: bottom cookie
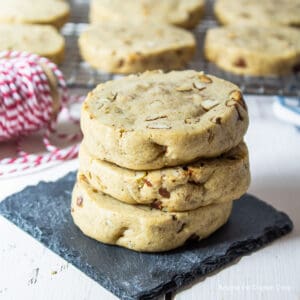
x: 139, y: 227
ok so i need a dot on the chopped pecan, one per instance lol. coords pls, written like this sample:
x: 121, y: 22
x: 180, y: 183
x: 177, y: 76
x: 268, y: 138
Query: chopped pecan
x: 238, y: 97
x: 209, y: 104
x: 240, y: 117
x: 159, y: 126
x: 153, y: 118
x: 181, y: 227
x: 164, y: 193
x: 156, y: 204
x: 121, y: 131
x: 240, y: 62
x: 230, y: 103
x: 204, y: 78
x: 82, y: 177
x: 147, y: 182
x: 216, y: 120
x: 190, y: 172
x: 188, y: 121
x: 184, y: 88
x: 79, y: 201
x: 210, y: 136
x: 112, y: 96
x: 199, y: 86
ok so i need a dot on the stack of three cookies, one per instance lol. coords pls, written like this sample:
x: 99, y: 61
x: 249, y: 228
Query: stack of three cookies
x: 162, y: 159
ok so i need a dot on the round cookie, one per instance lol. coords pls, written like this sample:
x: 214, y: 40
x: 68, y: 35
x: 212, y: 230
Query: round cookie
x: 207, y: 181
x: 260, y: 12
x: 185, y: 13
x: 52, y: 12
x: 136, y: 47
x: 42, y: 40
x: 139, y: 227
x: 254, y: 50
x: 156, y: 119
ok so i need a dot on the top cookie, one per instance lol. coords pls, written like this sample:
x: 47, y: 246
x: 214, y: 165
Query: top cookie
x: 185, y: 13
x: 52, y: 12
x: 160, y: 119
x: 262, y: 12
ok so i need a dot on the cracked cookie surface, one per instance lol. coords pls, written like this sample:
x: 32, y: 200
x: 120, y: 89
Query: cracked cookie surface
x: 133, y: 47
x: 139, y: 227
x: 254, y: 50
x: 156, y: 119
x: 185, y: 13
x: 204, y: 182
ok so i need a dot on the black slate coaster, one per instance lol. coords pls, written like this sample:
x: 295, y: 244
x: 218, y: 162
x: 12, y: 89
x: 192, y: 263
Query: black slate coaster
x: 43, y: 212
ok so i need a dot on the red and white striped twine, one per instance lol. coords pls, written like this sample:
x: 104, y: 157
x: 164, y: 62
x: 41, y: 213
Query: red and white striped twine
x: 26, y: 106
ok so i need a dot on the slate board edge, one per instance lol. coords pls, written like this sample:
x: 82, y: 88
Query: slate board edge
x: 182, y: 280
x: 178, y: 281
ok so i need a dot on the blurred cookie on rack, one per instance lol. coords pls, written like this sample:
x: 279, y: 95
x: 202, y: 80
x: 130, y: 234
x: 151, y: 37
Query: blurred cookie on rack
x: 42, y: 40
x: 254, y: 50
x: 260, y: 12
x: 135, y: 47
x: 52, y: 12
x: 186, y: 14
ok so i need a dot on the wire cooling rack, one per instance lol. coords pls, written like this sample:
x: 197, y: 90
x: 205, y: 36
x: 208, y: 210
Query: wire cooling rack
x: 80, y: 75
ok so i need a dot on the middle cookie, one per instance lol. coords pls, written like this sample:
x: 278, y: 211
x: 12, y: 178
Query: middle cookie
x: 204, y: 182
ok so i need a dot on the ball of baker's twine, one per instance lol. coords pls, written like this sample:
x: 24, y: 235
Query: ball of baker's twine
x: 26, y: 107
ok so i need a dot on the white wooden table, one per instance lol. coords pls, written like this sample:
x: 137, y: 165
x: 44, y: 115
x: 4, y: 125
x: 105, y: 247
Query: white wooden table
x: 28, y: 270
